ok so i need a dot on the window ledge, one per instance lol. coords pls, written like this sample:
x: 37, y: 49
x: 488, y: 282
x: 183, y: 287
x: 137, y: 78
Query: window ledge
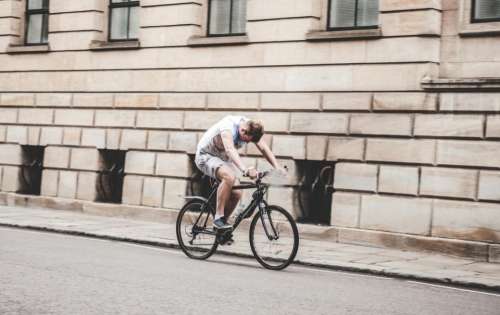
x: 24, y: 49
x: 372, y: 33
x: 196, y: 41
x: 479, y: 33
x: 97, y: 45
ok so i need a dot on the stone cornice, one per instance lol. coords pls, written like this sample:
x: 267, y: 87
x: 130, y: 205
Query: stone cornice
x: 462, y: 84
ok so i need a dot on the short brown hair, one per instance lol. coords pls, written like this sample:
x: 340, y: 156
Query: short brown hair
x: 256, y: 130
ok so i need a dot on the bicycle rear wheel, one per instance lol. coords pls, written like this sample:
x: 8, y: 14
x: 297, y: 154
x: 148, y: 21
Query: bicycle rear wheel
x: 194, y: 230
x: 274, y: 238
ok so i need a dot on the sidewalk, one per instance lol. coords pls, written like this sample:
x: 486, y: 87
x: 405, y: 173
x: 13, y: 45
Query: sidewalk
x: 381, y: 261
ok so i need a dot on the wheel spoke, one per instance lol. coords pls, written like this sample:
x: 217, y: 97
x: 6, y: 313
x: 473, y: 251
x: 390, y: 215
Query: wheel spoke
x: 274, y: 238
x: 194, y: 231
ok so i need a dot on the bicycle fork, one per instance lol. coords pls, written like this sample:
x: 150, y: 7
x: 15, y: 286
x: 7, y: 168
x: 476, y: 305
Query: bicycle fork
x: 263, y: 214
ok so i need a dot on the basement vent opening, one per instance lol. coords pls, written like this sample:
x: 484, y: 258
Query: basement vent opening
x: 110, y: 179
x: 31, y: 170
x: 199, y: 183
x: 315, y: 191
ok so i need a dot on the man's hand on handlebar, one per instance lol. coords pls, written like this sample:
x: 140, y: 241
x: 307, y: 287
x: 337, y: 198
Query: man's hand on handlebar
x: 251, y: 172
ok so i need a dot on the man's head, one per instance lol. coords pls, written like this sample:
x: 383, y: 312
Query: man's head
x: 251, y: 131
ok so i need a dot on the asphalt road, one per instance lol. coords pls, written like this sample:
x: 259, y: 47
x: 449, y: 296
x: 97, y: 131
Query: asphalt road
x: 44, y: 273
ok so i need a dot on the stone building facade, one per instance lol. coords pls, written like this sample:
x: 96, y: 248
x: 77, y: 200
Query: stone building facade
x: 406, y: 110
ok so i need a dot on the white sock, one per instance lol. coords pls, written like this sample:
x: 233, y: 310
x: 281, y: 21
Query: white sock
x: 218, y: 216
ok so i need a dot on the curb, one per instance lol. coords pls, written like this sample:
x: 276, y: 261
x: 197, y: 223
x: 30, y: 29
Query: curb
x: 357, y: 269
x: 475, y: 250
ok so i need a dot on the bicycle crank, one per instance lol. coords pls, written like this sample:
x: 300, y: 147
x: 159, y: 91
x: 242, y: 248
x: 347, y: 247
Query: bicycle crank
x: 224, y: 237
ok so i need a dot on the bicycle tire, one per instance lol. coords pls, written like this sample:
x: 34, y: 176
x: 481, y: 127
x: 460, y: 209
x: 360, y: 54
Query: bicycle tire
x: 266, y: 260
x: 189, y: 213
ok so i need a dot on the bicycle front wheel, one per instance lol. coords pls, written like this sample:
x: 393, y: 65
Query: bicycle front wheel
x: 194, y: 230
x: 274, y: 238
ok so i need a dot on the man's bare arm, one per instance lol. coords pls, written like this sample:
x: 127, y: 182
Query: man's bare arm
x: 267, y: 153
x: 227, y: 141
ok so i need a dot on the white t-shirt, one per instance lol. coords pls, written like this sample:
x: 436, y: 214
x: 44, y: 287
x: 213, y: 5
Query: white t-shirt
x: 211, y: 141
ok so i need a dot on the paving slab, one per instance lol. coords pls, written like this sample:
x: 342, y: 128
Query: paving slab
x: 313, y: 252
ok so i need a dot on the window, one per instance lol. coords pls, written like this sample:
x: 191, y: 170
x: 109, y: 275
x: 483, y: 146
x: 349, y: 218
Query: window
x: 351, y: 14
x: 123, y: 20
x: 37, y: 22
x: 227, y: 17
x: 485, y: 11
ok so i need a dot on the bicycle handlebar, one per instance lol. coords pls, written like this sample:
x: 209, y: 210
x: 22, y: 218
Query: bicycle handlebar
x: 261, y: 175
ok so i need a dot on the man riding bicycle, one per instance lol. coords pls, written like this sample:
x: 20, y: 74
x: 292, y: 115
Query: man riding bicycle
x: 217, y: 157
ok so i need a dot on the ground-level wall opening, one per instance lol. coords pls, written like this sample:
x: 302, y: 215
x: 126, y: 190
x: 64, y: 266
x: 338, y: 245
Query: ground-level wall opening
x: 31, y: 169
x: 199, y: 183
x: 110, y: 178
x: 315, y: 191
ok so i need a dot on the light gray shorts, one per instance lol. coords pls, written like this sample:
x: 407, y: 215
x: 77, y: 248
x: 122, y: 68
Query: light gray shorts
x: 209, y: 164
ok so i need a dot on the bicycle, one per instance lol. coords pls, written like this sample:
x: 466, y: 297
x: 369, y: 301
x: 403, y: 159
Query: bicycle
x: 274, y: 242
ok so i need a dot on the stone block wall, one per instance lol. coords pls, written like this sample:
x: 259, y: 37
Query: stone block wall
x: 11, y: 25
x: 468, y: 49
x: 11, y: 159
x: 156, y: 179
x: 406, y: 115
x: 410, y: 154
x: 71, y: 172
x: 11, y: 178
x: 429, y: 201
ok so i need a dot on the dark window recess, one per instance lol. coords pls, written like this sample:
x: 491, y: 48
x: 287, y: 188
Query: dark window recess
x: 227, y: 17
x: 123, y: 20
x: 110, y: 179
x: 199, y: 183
x: 315, y: 191
x: 37, y: 22
x: 352, y: 14
x: 485, y: 11
x: 31, y: 170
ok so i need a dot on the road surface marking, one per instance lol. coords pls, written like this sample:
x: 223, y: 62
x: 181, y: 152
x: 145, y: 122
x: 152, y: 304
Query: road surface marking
x: 452, y: 288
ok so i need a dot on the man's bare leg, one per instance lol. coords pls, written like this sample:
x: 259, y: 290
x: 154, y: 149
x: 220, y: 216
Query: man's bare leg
x: 227, y: 180
x: 232, y: 202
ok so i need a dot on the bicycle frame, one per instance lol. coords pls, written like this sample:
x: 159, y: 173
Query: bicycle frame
x: 257, y: 201
x: 274, y: 244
